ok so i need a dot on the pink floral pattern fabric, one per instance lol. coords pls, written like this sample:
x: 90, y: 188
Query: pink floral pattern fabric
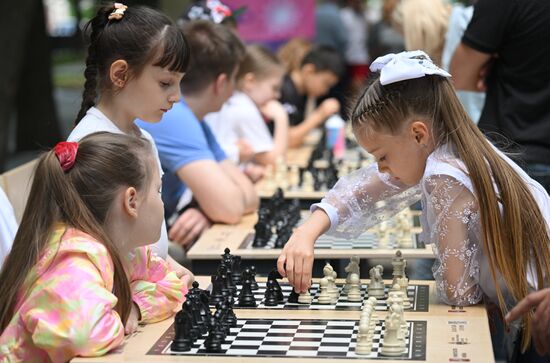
x: 66, y: 305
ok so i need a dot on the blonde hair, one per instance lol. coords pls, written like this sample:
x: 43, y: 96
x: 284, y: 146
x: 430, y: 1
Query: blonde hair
x: 424, y: 25
x: 80, y: 198
x: 259, y: 61
x: 512, y: 238
x: 293, y: 52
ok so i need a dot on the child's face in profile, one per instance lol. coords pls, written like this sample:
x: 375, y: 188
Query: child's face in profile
x: 403, y: 156
x: 152, y: 93
x: 317, y: 84
x: 263, y: 90
x: 151, y: 210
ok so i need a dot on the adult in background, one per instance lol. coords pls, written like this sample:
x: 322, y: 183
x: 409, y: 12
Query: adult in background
x: 505, y: 49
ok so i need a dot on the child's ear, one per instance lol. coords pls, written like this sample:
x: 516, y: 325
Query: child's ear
x: 119, y: 73
x: 220, y: 83
x: 248, y: 79
x: 420, y: 133
x: 131, y: 202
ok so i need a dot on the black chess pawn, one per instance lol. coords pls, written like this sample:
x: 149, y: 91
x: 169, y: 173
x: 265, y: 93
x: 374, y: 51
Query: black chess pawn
x: 236, y: 269
x: 214, y: 340
x: 253, y: 283
x: 231, y: 318
x: 270, y: 297
x: 182, y: 339
x: 246, y: 298
x: 293, y: 297
x: 262, y: 229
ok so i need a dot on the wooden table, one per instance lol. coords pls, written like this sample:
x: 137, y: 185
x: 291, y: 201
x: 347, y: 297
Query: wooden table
x: 445, y: 326
x: 213, y: 242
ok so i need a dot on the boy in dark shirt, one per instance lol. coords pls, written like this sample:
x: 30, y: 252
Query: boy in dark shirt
x: 320, y: 70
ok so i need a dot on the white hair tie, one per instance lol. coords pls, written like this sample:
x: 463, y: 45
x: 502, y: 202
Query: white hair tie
x: 405, y: 65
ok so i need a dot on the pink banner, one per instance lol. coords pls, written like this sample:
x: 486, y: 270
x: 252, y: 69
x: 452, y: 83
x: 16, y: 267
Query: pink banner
x: 274, y: 20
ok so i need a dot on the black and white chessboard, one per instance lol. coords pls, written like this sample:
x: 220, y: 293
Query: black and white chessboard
x: 305, y: 338
x: 367, y: 240
x: 418, y: 295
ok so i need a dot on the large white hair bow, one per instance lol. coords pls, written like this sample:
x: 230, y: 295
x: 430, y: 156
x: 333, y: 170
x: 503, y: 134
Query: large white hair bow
x: 405, y: 65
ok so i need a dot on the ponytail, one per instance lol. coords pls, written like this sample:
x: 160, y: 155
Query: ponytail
x: 80, y: 198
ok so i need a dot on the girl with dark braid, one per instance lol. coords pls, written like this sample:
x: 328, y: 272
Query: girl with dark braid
x: 136, y: 59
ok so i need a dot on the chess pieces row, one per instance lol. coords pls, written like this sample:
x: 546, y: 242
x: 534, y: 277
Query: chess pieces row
x: 276, y: 217
x: 228, y: 276
x: 367, y: 324
x: 195, y: 320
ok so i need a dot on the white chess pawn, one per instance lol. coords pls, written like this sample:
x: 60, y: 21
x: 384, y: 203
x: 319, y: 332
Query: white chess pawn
x: 294, y: 177
x: 352, y: 267
x: 364, y: 341
x: 305, y: 298
x: 307, y: 181
x: 324, y: 296
x: 403, y: 284
x: 354, y: 292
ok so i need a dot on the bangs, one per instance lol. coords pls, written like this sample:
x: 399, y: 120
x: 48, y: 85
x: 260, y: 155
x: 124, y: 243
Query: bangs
x: 172, y: 51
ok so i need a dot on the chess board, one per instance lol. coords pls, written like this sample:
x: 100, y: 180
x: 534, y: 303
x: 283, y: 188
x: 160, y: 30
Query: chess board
x: 367, y: 240
x: 300, y: 338
x: 418, y: 296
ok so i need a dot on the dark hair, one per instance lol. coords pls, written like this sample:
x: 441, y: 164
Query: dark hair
x: 325, y: 59
x: 80, y: 198
x: 141, y: 36
x: 259, y: 61
x: 215, y: 49
x: 511, y: 238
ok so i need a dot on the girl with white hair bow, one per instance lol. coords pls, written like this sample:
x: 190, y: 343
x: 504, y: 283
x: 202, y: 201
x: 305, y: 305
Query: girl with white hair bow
x: 486, y: 218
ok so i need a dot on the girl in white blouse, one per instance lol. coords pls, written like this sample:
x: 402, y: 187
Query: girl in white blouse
x: 487, y: 219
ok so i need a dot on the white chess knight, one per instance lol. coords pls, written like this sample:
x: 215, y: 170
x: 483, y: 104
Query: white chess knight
x: 352, y: 268
x: 376, y: 285
x: 354, y: 292
x: 392, y: 345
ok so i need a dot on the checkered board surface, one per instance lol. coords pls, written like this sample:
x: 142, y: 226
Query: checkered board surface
x: 418, y: 295
x: 305, y: 338
x: 367, y: 240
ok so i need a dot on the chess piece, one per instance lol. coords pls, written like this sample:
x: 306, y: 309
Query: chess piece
x: 236, y: 269
x: 270, y: 297
x: 324, y: 296
x: 246, y: 298
x: 351, y: 268
x: 183, y: 338
x: 330, y: 275
x: 403, y: 283
x: 354, y: 292
x: 392, y: 346
x: 253, y: 283
x: 376, y: 285
x: 294, y: 177
x: 398, y: 264
x: 307, y: 181
x: 269, y: 181
x: 305, y: 298
x: 262, y: 229
x: 213, y: 343
x: 293, y: 297
x: 364, y: 341
x: 273, y: 276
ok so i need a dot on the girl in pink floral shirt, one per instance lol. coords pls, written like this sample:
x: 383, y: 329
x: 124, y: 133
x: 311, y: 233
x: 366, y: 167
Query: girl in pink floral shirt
x: 80, y: 275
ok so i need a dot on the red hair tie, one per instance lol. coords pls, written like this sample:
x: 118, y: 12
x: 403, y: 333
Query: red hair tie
x: 66, y: 154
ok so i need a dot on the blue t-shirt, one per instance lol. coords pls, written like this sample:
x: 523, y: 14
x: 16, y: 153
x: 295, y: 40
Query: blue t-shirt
x: 181, y: 139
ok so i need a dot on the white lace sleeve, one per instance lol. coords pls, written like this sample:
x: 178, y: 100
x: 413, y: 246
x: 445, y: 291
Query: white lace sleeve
x: 453, y: 217
x: 356, y: 199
